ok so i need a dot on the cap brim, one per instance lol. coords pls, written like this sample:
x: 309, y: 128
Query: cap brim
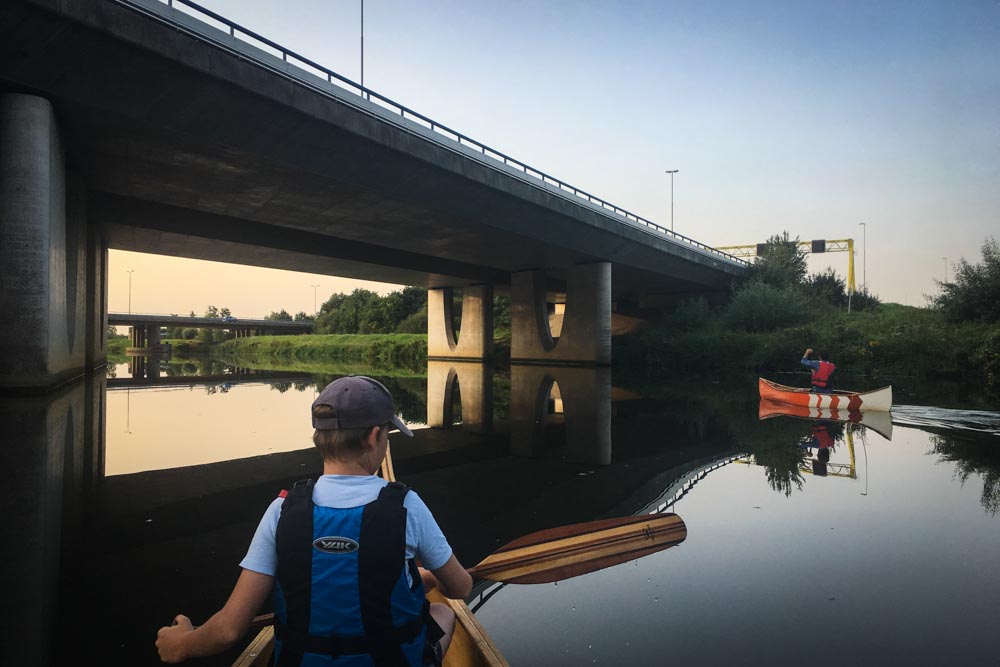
x: 401, y: 427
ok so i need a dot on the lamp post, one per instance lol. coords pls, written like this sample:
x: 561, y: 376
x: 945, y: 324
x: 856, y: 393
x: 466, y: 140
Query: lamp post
x: 672, y: 172
x: 129, y: 272
x: 362, y: 44
x: 864, y: 255
x: 314, y: 299
x: 945, y: 269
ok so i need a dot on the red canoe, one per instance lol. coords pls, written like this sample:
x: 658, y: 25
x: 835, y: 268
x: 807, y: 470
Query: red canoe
x: 878, y: 400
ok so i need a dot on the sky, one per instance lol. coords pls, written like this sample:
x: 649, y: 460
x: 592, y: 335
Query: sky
x: 810, y: 117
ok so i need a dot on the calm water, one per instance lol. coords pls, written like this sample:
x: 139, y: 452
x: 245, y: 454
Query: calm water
x: 887, y: 552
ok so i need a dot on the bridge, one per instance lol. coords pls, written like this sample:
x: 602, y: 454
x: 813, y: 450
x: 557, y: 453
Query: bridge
x: 131, y: 124
x: 145, y: 329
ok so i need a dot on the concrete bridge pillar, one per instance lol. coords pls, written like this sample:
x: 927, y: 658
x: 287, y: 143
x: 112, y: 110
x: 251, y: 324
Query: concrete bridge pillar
x: 475, y: 340
x: 475, y: 386
x: 577, y: 396
x: 47, y: 260
x: 153, y: 336
x: 585, y: 336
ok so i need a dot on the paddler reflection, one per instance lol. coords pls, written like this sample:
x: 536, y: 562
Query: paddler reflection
x: 820, y: 443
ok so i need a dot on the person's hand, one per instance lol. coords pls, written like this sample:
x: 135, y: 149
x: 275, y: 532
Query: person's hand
x: 430, y: 581
x: 170, y: 639
x: 808, y: 351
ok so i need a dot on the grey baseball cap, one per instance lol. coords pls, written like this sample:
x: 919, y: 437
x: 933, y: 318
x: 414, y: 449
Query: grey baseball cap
x: 358, y: 402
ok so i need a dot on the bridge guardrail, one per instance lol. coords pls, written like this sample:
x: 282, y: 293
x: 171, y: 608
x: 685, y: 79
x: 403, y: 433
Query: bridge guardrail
x: 289, y: 57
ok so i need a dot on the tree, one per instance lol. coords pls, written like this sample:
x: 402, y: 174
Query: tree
x: 282, y: 315
x: 781, y: 264
x: 827, y: 287
x: 975, y: 292
x: 302, y: 317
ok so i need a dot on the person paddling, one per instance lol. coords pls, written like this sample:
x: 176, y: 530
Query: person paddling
x: 821, y: 370
x: 341, y: 554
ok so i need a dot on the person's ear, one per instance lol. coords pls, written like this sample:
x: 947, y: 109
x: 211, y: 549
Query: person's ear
x: 372, y: 439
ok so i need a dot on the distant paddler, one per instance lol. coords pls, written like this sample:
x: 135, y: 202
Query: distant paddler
x: 821, y: 370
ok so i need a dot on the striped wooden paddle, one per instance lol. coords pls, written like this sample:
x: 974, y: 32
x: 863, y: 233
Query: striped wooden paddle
x: 569, y: 551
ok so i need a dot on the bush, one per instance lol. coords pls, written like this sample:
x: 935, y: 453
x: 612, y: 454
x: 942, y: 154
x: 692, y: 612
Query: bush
x: 828, y: 288
x: 691, y: 315
x: 758, y: 307
x: 975, y: 293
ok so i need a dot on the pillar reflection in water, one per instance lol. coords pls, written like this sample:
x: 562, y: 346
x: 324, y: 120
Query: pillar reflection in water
x: 52, y: 459
x: 475, y: 386
x: 583, y: 399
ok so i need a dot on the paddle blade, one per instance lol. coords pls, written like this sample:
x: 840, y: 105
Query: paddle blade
x: 569, y: 551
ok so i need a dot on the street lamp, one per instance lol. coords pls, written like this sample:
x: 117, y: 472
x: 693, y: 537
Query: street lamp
x: 672, y: 172
x: 945, y: 269
x: 129, y: 272
x: 314, y: 298
x: 362, y: 45
x: 864, y: 255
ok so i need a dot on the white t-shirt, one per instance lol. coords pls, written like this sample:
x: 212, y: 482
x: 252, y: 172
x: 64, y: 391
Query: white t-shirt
x: 424, y: 538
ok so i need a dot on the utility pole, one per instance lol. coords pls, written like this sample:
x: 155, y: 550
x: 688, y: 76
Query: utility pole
x: 864, y: 256
x: 672, y: 172
x: 945, y: 269
x: 362, y: 44
x: 314, y: 299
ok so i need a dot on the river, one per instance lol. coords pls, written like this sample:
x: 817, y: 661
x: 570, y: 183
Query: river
x: 881, y: 548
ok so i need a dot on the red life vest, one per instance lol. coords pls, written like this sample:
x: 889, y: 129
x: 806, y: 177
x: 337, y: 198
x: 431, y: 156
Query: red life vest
x: 821, y: 376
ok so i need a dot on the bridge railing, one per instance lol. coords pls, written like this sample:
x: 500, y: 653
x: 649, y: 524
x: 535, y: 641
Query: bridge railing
x: 254, y: 39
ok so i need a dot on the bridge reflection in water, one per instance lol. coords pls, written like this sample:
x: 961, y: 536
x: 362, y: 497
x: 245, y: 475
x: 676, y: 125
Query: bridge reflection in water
x: 579, y: 399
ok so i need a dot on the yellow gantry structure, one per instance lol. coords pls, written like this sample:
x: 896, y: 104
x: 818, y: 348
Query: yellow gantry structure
x: 817, y: 246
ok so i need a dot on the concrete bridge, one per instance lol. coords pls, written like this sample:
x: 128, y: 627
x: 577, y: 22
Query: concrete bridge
x: 145, y: 329
x: 130, y: 124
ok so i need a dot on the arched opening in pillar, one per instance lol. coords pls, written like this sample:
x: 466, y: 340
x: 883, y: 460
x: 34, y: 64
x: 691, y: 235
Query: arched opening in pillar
x: 551, y: 415
x: 452, y: 400
x: 453, y: 305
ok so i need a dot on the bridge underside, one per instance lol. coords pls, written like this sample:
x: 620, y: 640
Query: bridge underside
x: 155, y: 141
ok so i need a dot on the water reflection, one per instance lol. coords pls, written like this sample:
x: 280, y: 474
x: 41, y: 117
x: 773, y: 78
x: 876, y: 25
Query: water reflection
x: 51, y: 456
x: 577, y: 398
x: 462, y: 387
x: 973, y: 457
x: 161, y: 480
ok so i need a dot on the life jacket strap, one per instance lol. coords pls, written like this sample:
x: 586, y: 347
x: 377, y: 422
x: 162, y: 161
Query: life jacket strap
x: 295, y: 568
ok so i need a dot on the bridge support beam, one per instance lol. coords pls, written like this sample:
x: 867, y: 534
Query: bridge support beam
x: 475, y: 340
x: 475, y: 386
x: 585, y: 337
x: 47, y: 260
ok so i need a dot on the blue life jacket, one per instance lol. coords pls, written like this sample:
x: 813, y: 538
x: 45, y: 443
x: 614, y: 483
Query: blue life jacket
x: 341, y: 595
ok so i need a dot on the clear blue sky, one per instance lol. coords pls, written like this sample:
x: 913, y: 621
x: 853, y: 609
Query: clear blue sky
x: 799, y: 116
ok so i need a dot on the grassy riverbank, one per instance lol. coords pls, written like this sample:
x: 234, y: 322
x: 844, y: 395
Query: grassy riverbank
x: 889, y: 339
